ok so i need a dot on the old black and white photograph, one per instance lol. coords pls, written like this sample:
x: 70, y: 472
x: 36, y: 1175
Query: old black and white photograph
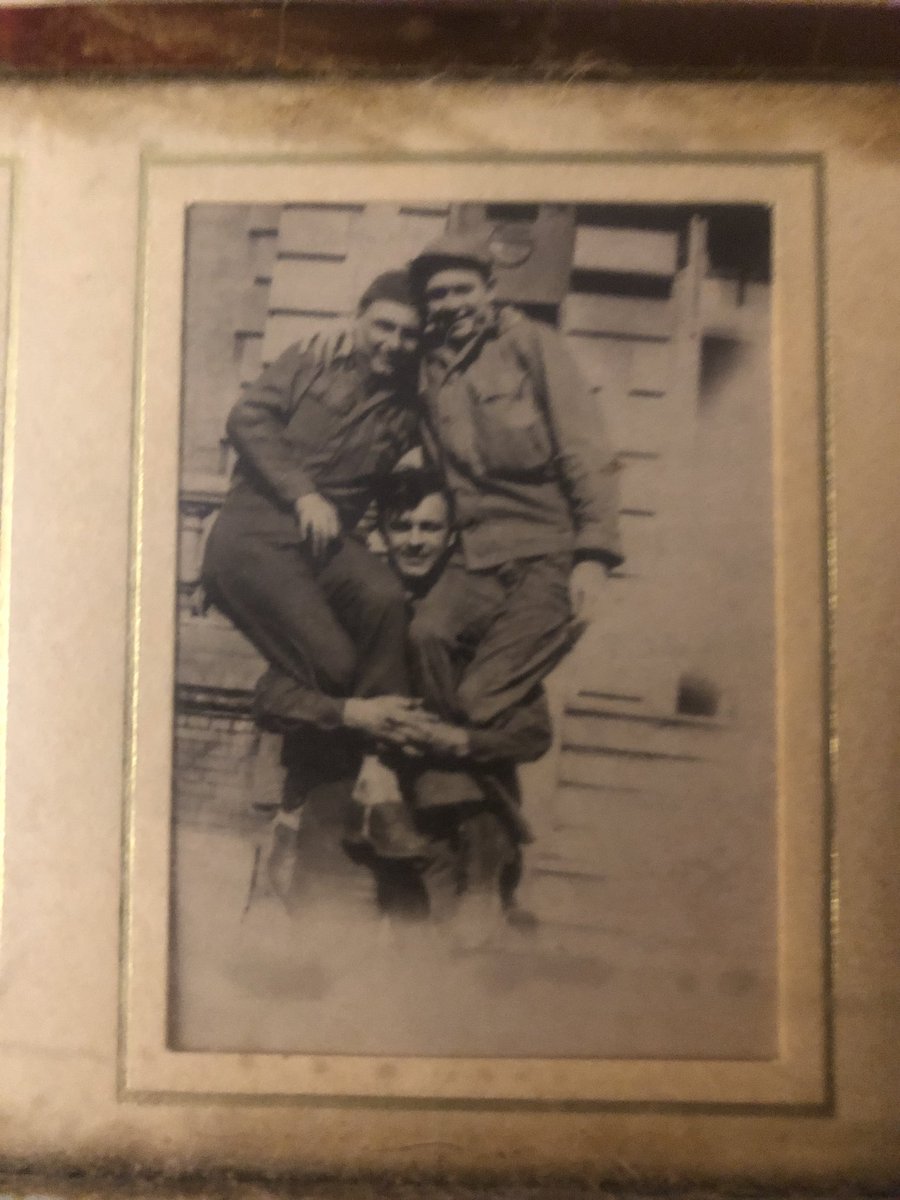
x: 475, y: 685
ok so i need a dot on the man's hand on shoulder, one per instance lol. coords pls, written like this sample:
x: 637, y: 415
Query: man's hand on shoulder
x: 587, y: 585
x: 328, y: 346
x: 318, y: 520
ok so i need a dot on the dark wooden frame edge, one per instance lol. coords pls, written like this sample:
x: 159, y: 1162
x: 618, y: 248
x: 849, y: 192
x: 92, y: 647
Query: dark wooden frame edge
x: 506, y: 39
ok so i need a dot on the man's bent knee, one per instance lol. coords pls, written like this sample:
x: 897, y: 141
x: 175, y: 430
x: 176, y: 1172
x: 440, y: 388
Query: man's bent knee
x: 382, y: 592
x: 427, y: 628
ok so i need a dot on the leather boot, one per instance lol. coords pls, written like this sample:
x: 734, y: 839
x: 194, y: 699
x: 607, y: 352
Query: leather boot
x: 392, y: 834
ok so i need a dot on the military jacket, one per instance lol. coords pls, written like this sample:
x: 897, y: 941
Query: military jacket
x: 522, y: 444
x: 308, y: 425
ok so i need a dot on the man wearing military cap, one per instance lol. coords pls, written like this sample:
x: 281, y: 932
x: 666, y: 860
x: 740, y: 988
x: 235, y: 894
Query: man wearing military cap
x: 521, y: 444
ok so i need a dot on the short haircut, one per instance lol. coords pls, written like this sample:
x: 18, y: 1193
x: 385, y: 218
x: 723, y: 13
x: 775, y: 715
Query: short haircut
x: 395, y: 286
x: 406, y: 489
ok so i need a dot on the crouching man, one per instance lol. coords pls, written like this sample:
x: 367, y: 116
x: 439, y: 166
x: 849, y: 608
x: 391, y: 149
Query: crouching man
x: 475, y: 835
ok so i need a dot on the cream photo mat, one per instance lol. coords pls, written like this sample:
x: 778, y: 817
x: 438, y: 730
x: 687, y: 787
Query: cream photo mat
x: 7, y: 442
x: 78, y: 150
x: 791, y: 186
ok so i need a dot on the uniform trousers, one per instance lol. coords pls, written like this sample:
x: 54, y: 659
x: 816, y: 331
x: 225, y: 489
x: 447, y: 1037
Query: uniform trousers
x: 336, y: 625
x: 337, y: 622
x: 482, y: 642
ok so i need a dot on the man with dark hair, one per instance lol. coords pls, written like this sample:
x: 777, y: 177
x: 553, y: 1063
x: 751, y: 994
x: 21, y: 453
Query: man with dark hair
x: 313, y: 441
x: 475, y: 845
x: 519, y: 440
x: 415, y: 520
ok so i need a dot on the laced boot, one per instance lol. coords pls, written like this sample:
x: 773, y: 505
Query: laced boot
x: 386, y: 822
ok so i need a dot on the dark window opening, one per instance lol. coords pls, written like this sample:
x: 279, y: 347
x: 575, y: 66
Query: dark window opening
x: 738, y: 235
x: 621, y: 283
x: 512, y: 212
x: 547, y: 313
x: 697, y: 697
x: 720, y: 357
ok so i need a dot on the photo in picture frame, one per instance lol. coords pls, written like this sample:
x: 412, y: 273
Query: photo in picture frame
x: 641, y: 953
x: 146, y: 1019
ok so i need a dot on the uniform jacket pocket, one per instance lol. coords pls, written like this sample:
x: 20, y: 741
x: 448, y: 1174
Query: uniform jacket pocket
x: 320, y: 411
x: 511, y: 431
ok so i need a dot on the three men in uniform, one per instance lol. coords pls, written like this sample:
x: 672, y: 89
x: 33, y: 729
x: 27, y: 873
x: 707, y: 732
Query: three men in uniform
x: 454, y: 673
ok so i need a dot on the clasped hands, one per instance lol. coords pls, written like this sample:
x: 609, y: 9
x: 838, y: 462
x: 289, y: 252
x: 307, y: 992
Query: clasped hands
x: 403, y: 722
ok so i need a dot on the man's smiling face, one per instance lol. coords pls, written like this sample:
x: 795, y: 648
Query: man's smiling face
x: 458, y: 304
x: 418, y: 538
x: 387, y: 334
